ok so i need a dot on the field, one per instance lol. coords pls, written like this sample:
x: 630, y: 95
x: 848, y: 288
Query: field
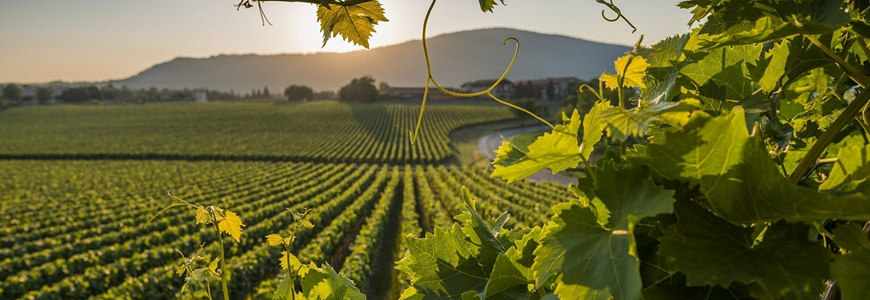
x: 78, y: 228
x: 317, y: 131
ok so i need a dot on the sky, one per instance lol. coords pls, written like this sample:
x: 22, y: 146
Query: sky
x: 98, y: 40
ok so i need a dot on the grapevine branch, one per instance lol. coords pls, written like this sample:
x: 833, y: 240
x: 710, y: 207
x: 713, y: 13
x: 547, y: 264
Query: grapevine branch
x: 430, y: 80
x: 851, y: 111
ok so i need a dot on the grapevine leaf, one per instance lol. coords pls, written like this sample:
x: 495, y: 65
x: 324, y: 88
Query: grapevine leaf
x: 488, y: 5
x: 623, y: 123
x: 212, y: 266
x: 665, y: 65
x: 284, y: 290
x: 739, y: 22
x: 851, y: 237
x: 202, y: 216
x: 724, y: 71
x: 294, y: 264
x: 306, y: 224
x: 596, y: 260
x: 851, y: 272
x: 355, y: 23
x: 513, y: 268
x: 630, y: 68
x: 477, y: 230
x: 740, y: 181
x: 557, y: 150
x: 231, y: 224
x: 446, y: 264
x: 326, y: 284
x: 593, y: 128
x: 711, y: 251
x: 274, y: 240
x: 851, y: 172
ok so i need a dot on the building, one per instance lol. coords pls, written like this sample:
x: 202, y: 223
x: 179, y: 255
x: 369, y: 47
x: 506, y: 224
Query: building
x: 504, y: 90
x: 553, y: 88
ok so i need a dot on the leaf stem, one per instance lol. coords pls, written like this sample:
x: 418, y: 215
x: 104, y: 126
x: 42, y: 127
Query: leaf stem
x: 223, y: 257
x: 815, y: 152
x: 856, y: 75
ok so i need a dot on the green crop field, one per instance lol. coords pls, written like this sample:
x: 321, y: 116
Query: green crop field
x: 78, y: 227
x: 316, y: 131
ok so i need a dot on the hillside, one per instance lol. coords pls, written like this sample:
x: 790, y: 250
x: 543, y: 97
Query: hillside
x: 457, y: 58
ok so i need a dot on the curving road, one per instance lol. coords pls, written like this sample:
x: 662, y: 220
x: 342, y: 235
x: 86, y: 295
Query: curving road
x: 489, y: 145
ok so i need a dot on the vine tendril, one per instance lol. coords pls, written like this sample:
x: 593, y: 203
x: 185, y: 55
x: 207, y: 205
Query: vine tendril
x: 618, y: 12
x: 430, y: 80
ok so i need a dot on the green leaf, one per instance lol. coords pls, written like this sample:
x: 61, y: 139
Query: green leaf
x: 851, y: 237
x: 666, y: 61
x: 284, y: 291
x: 851, y: 272
x: 593, y: 128
x: 557, y: 150
x: 851, y: 172
x: 595, y: 260
x: 326, y: 284
x: 513, y: 268
x: 739, y: 22
x: 446, y: 264
x: 723, y: 74
x: 355, y: 23
x: 623, y: 123
x: 711, y: 251
x: 736, y: 175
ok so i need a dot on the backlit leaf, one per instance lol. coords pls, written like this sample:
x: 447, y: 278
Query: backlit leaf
x: 274, y: 240
x: 355, y: 23
x: 741, y: 22
x: 231, y: 224
x: 326, y: 284
x: 851, y: 272
x: 557, y: 150
x: 599, y: 260
x: 740, y: 181
x: 630, y: 68
x: 294, y: 264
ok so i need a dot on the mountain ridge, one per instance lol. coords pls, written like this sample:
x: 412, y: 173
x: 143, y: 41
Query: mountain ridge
x: 456, y: 58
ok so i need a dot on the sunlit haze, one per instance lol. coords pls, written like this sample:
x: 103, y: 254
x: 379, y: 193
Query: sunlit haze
x: 96, y: 40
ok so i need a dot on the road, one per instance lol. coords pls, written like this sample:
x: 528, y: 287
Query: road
x: 489, y: 145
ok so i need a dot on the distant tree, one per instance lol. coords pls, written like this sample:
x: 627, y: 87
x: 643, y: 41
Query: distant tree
x: 266, y: 93
x: 359, y: 90
x: 298, y: 92
x: 43, y: 94
x: 531, y: 104
x: 76, y: 95
x: 109, y: 92
x: 383, y: 87
x: 95, y: 92
x: 12, y: 92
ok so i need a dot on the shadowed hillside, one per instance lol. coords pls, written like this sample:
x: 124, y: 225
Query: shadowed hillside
x: 457, y: 58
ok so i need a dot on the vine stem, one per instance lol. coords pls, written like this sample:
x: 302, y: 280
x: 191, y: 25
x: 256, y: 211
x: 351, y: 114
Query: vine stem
x: 851, y: 111
x: 815, y: 152
x: 487, y: 92
x: 856, y: 75
x: 223, y: 257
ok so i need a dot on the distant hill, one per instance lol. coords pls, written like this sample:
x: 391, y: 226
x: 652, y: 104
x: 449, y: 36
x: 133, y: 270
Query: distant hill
x: 457, y: 58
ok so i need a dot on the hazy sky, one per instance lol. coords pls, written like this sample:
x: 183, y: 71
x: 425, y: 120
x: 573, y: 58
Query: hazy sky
x: 95, y: 40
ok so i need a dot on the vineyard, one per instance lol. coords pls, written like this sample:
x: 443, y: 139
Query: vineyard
x: 317, y: 131
x: 78, y: 228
